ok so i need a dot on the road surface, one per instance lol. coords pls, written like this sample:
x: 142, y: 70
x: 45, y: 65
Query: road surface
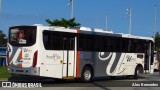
x: 119, y: 83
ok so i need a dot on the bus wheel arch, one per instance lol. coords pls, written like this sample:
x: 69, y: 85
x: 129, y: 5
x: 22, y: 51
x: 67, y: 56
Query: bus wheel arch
x: 87, y: 73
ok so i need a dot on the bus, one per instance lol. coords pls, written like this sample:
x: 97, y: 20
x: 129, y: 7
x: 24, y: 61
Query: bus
x: 77, y: 53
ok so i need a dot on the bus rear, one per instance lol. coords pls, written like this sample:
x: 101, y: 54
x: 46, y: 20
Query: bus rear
x: 22, y: 50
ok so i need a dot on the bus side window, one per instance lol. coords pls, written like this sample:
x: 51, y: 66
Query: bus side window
x: 81, y: 43
x: 96, y: 43
x: 72, y: 43
x: 45, y: 39
x: 89, y: 44
x: 56, y: 41
x: 104, y: 44
x: 123, y: 45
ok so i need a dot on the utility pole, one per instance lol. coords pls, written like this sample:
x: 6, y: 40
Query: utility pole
x: 155, y: 20
x: 97, y: 21
x: 0, y: 7
x: 129, y: 13
x: 107, y: 21
x: 71, y: 3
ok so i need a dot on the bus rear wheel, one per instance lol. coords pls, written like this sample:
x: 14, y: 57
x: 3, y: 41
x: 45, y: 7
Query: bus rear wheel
x: 87, y: 74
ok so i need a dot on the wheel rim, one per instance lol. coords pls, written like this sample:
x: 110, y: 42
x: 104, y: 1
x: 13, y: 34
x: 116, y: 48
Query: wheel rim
x: 87, y: 75
x: 138, y: 72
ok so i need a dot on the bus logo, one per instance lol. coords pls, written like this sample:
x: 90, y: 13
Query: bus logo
x: 27, y: 50
x: 55, y: 57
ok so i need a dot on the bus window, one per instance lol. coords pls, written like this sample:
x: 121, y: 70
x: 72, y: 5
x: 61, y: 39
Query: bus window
x: 52, y: 40
x: 81, y: 43
x: 22, y: 36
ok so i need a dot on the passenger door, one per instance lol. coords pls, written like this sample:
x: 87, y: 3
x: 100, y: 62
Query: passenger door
x: 147, y: 61
x: 68, y: 56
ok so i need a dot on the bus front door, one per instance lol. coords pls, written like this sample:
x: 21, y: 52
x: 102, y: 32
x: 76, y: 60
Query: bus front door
x: 68, y: 56
x: 147, y: 61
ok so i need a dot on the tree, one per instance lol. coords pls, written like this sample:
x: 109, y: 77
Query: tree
x: 63, y: 22
x: 3, y: 39
x: 157, y: 40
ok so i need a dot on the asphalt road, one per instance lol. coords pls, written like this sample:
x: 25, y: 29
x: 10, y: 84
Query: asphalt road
x: 105, y: 83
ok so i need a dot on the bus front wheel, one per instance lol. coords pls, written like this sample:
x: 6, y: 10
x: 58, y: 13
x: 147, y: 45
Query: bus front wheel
x: 138, y: 72
x: 87, y: 74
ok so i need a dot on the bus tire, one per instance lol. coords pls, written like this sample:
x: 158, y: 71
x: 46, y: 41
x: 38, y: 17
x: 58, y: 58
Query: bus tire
x: 87, y: 74
x: 138, y: 72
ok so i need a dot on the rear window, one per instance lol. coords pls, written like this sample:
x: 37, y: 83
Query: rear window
x: 22, y: 35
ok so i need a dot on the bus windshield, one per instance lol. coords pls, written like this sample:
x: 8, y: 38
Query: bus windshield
x: 22, y: 35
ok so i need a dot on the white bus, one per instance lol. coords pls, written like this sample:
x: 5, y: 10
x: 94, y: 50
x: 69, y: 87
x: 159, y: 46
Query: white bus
x: 84, y: 53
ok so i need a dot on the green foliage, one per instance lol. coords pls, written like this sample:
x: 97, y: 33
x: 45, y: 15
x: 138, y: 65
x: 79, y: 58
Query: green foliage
x: 63, y: 22
x: 157, y: 40
x: 3, y: 39
x: 4, y: 73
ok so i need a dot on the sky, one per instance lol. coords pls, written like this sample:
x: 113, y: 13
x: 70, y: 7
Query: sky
x: 89, y: 13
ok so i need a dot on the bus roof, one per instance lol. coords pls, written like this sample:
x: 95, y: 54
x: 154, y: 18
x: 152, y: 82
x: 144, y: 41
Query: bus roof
x: 137, y: 37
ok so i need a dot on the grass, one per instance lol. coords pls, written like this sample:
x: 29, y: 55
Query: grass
x: 4, y: 74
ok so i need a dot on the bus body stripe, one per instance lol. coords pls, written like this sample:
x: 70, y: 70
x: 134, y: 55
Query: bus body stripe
x: 78, y: 61
x: 78, y: 31
x: 78, y: 65
x: 20, y: 65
